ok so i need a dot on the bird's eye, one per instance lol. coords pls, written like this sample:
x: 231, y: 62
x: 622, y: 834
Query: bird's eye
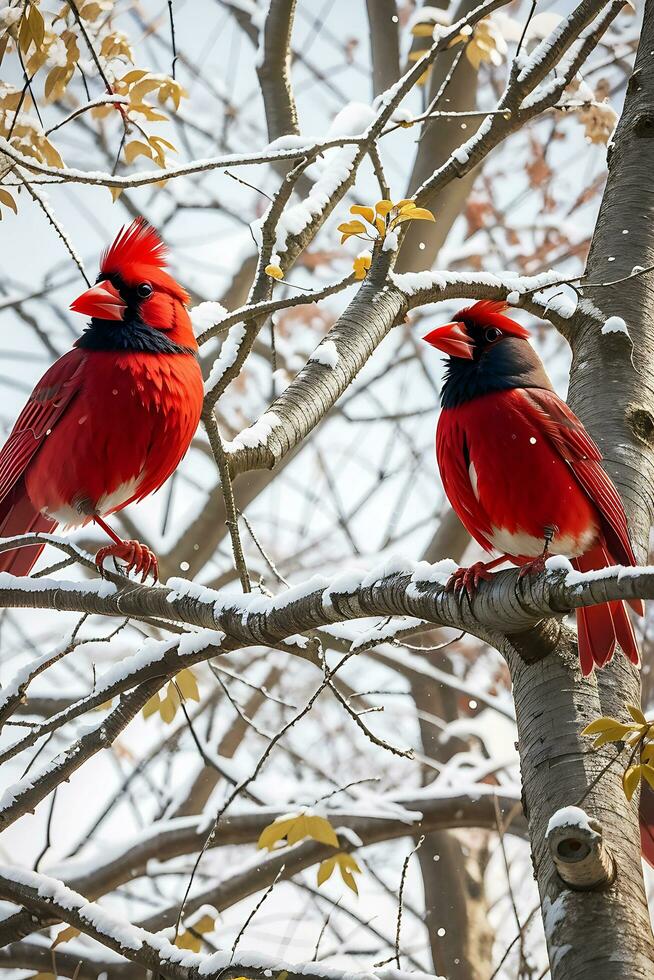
x: 143, y: 290
x: 492, y: 334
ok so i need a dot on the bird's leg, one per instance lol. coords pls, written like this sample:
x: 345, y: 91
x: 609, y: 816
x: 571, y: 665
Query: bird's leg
x: 537, y: 565
x: 467, y: 579
x: 137, y: 556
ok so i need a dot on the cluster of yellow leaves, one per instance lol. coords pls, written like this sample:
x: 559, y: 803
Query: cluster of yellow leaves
x: 377, y: 222
x: 361, y: 264
x: 26, y: 136
x: 166, y: 704
x: 637, y: 735
x: 298, y: 826
x: 136, y: 84
x: 599, y: 118
x: 51, y: 41
x: 484, y: 43
x: 191, y: 937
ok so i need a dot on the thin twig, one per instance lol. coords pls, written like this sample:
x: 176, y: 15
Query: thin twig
x: 218, y: 450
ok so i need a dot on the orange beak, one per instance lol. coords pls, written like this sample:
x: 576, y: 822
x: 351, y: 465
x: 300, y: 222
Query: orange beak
x: 452, y: 339
x: 102, y: 301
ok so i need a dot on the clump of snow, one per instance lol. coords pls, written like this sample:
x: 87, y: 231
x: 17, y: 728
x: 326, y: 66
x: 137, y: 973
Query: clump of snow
x: 255, y: 435
x: 336, y: 170
x: 569, y: 816
x: 102, y: 589
x: 402, y: 115
x: 326, y: 354
x: 554, y: 912
x: 191, y: 643
x: 387, y: 631
x: 438, y: 573
x: 352, y: 120
x: 615, y: 324
x: 460, y: 155
x: 205, y: 315
x: 390, y: 242
x: 227, y: 357
x: 344, y: 584
x: 291, y: 141
x: 513, y: 298
x: 411, y: 283
x: 558, y: 563
x: 561, y: 303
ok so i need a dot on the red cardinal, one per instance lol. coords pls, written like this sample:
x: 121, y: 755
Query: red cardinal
x: 110, y: 420
x: 522, y: 473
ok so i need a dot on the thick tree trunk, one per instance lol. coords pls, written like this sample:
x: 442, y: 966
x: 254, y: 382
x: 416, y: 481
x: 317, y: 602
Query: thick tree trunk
x: 604, y: 934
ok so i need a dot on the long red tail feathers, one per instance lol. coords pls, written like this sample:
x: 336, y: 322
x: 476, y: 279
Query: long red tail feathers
x: 600, y: 628
x: 17, y: 516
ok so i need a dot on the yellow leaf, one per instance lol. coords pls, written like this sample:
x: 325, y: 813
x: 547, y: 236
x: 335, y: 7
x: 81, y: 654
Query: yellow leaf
x: 361, y: 265
x: 7, y: 200
x: 25, y: 33
x: 37, y: 25
x: 648, y: 774
x: 321, y: 830
x: 406, y: 202
x: 70, y: 932
x: 367, y: 213
x: 630, y: 780
x: 206, y: 923
x: 168, y: 708
x: 600, y: 725
x: 54, y: 77
x: 381, y: 227
x: 137, y: 148
x: 274, y: 272
x: 274, y: 832
x: 146, y: 110
x: 115, y: 193
x: 383, y: 207
x: 325, y: 870
x: 421, y: 214
x: 297, y: 831
x: 188, y: 685
x: 423, y: 30
x: 347, y: 866
x: 10, y: 99
x: 142, y: 88
x: 151, y: 707
x: 159, y: 140
x: 51, y: 153
x: 615, y: 734
x: 134, y: 75
x: 186, y: 940
x: 636, y: 714
x: 647, y: 754
x: 351, y: 228
x: 296, y: 828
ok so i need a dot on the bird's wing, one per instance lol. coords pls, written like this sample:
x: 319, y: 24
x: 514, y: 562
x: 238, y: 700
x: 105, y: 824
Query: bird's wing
x: 574, y: 444
x: 453, y: 458
x: 45, y: 406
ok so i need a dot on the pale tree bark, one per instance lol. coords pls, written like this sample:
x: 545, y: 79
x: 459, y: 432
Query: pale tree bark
x: 384, y: 43
x: 464, y: 951
x: 438, y: 138
x: 606, y: 933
